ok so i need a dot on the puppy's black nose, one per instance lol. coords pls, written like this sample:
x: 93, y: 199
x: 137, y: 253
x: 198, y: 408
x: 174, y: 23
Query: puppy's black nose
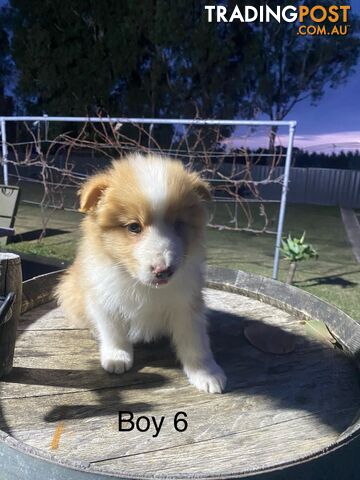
x: 162, y: 273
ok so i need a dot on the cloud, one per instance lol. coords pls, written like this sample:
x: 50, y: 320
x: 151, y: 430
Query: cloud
x: 322, y: 142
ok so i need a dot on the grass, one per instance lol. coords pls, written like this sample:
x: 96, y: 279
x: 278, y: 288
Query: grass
x: 334, y: 277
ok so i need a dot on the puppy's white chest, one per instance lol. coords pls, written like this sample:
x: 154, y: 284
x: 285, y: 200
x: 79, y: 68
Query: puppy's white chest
x: 151, y: 314
x: 148, y: 323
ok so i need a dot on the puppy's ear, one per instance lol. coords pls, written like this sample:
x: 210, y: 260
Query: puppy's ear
x: 201, y: 187
x: 90, y: 193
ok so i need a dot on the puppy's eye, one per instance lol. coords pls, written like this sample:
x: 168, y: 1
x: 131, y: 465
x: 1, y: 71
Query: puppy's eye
x: 134, y: 227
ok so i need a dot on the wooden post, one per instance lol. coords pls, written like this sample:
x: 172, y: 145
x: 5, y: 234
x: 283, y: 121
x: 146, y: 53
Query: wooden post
x: 10, y: 281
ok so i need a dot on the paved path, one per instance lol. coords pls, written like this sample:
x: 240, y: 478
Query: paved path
x: 352, y: 227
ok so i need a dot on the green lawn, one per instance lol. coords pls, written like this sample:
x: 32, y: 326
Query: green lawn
x: 335, y: 276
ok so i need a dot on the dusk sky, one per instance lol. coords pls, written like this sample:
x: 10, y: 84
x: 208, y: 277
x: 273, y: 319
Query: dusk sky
x: 335, y: 119
x: 332, y: 125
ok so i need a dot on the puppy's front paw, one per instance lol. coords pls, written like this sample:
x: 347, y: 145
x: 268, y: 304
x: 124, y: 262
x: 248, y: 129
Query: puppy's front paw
x: 116, y: 360
x: 211, y: 380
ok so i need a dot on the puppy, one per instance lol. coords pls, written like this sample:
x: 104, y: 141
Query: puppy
x: 138, y: 273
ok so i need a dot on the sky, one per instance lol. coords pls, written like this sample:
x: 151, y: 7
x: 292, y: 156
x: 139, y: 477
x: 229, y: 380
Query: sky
x: 335, y: 120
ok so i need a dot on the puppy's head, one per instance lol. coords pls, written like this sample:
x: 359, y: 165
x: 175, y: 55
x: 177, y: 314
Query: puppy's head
x: 147, y: 214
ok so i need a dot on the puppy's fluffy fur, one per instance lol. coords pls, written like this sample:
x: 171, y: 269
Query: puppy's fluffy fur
x: 138, y: 273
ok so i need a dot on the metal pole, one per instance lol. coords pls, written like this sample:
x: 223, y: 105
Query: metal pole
x: 283, y: 201
x: 150, y: 134
x: 156, y: 121
x: 46, y: 127
x: 4, y: 152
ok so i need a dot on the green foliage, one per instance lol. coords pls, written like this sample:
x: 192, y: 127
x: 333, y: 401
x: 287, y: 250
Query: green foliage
x: 295, y: 250
x: 6, y: 101
x: 156, y: 58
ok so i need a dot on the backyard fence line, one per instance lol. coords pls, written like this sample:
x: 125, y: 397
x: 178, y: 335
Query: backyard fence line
x: 319, y: 186
x: 291, y: 125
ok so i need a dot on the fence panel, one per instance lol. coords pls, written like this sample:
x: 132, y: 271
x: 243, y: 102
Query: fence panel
x: 321, y: 186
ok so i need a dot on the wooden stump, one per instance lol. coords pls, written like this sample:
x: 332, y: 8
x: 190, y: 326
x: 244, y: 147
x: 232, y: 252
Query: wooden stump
x: 10, y: 281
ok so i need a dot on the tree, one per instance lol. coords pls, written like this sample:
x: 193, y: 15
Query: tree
x: 288, y: 68
x: 6, y: 100
x: 156, y: 58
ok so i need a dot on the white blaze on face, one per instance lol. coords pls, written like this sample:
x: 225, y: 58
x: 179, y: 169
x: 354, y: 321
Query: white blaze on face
x: 160, y: 246
x: 152, y: 178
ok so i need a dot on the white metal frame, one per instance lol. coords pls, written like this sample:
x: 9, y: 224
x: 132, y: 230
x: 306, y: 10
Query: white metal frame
x: 173, y: 121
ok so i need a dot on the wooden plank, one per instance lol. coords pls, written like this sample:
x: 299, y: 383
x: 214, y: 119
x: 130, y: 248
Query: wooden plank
x: 63, y: 357
x: 74, y: 363
x: 67, y: 375
x: 66, y: 359
x: 237, y: 454
x: 44, y: 317
x: 247, y: 372
x: 92, y: 416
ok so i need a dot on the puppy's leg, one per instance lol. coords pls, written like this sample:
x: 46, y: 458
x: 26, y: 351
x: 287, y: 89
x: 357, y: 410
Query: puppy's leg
x: 193, y: 349
x: 116, y: 351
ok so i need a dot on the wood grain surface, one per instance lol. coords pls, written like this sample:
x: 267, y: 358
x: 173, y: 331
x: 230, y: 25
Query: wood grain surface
x: 276, y: 409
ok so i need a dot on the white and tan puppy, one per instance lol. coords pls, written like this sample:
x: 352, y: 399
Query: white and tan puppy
x: 138, y: 273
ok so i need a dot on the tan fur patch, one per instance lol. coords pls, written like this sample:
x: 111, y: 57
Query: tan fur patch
x: 91, y: 192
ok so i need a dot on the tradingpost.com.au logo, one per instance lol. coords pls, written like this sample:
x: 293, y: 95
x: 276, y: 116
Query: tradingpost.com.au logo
x: 311, y: 20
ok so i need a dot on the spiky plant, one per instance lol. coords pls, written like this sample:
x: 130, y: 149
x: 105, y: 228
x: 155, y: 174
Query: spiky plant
x: 296, y: 250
